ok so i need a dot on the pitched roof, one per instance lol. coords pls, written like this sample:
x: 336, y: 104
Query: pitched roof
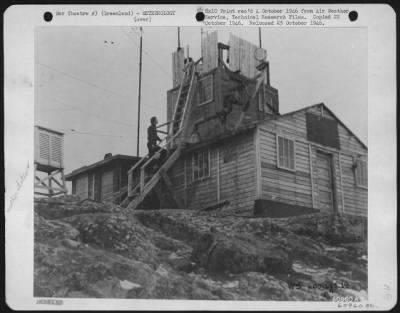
x: 333, y: 114
x: 254, y: 124
x: 87, y: 168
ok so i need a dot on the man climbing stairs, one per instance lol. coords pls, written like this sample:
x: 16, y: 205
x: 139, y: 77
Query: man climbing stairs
x: 141, y: 180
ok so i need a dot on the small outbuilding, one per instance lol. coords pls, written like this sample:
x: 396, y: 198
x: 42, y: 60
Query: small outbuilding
x: 105, y: 180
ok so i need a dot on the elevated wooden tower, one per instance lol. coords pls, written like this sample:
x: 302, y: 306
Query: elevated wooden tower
x: 49, y: 162
x: 226, y: 89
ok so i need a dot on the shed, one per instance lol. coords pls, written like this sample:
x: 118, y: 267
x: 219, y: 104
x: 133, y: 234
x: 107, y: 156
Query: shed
x: 104, y: 180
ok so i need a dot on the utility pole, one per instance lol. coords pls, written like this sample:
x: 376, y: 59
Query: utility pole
x: 139, y: 93
x: 179, y: 38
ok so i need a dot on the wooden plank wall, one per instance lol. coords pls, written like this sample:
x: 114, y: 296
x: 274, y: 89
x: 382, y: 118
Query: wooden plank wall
x: 241, y: 56
x: 238, y: 172
x: 284, y: 185
x: 209, y: 51
x: 234, y: 161
x: 296, y: 187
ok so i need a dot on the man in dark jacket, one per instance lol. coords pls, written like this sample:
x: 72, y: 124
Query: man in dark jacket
x: 152, y: 137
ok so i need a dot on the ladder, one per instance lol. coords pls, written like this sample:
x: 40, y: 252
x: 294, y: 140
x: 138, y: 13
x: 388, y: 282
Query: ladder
x: 184, y: 98
x: 141, y: 181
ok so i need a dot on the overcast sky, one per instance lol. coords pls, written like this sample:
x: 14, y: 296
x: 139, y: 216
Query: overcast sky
x: 86, y: 79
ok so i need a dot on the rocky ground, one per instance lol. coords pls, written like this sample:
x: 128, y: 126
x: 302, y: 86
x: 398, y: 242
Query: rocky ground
x: 87, y: 249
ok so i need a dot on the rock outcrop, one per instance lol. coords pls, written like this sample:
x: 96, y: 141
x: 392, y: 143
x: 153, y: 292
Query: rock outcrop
x: 85, y: 249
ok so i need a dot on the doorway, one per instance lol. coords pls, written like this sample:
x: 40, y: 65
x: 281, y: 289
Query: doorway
x: 325, y: 182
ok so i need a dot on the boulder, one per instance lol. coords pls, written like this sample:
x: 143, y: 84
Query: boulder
x: 219, y: 253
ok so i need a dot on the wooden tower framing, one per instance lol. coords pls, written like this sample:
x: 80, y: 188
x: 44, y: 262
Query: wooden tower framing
x: 49, y: 162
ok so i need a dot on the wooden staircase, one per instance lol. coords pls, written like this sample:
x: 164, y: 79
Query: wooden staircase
x: 141, y: 177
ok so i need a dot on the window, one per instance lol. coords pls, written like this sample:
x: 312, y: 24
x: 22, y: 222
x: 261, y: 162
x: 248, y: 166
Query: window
x: 285, y: 153
x: 361, y: 173
x: 201, y: 164
x: 205, y: 90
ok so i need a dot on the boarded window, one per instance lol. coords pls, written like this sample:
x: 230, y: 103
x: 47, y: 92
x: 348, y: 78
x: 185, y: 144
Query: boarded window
x: 361, y: 173
x: 205, y: 90
x: 322, y: 130
x: 201, y: 164
x: 285, y: 153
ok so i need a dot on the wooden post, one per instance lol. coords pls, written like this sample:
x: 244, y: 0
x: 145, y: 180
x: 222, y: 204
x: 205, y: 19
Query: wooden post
x: 50, y: 186
x: 311, y: 175
x: 218, y: 176
x: 341, y: 181
x: 258, y: 164
x: 139, y: 93
x: 185, y: 181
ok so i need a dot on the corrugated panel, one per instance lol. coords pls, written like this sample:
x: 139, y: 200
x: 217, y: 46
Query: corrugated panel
x: 209, y: 50
x: 177, y: 66
x: 241, y: 56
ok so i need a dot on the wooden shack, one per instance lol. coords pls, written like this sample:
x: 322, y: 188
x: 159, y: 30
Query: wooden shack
x: 228, y: 143
x: 104, y: 180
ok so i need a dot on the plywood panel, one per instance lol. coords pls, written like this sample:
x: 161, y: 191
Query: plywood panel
x: 241, y: 56
x: 178, y: 58
x: 209, y: 50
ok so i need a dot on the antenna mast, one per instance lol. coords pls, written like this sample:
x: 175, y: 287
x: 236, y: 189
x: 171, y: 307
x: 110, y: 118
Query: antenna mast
x: 179, y: 38
x: 139, y: 93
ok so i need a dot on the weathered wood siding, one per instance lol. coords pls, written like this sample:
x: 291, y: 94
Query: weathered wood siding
x: 300, y: 186
x: 293, y: 187
x: 230, y: 93
x: 232, y: 175
x: 238, y: 172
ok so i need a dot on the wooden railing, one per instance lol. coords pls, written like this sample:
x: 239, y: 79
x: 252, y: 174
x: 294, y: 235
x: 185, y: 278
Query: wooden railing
x: 139, y: 177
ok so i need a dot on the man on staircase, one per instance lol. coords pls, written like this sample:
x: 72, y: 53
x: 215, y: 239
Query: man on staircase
x: 152, y: 138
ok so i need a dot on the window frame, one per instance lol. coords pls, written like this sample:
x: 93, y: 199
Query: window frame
x: 211, y: 76
x: 202, y: 177
x: 290, y: 139
x: 356, y: 175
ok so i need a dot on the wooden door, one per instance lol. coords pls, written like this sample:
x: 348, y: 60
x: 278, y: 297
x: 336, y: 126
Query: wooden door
x: 325, y: 182
x: 106, y: 185
x: 82, y: 186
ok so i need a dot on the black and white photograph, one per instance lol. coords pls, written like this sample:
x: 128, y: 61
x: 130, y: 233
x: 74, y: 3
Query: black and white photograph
x: 200, y: 163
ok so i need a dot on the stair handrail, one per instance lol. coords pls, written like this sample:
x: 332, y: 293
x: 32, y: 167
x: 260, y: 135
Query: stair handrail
x: 188, y: 97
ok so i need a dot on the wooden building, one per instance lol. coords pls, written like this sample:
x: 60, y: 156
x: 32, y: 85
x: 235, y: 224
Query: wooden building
x: 228, y: 143
x: 105, y: 180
